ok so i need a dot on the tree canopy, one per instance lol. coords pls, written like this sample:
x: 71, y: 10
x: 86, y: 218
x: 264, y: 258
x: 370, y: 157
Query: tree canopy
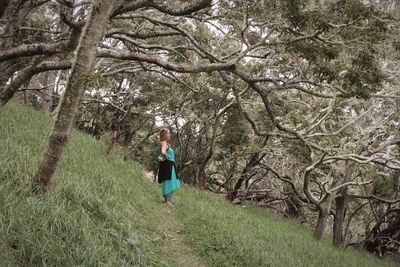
x: 293, y: 104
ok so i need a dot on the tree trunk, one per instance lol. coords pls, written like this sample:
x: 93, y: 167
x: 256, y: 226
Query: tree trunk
x: 232, y: 195
x: 321, y: 224
x: 201, y: 176
x: 113, y: 140
x: 136, y: 145
x: 341, y: 204
x: 323, y: 216
x: 244, y: 176
x: 47, y: 102
x: 83, y: 61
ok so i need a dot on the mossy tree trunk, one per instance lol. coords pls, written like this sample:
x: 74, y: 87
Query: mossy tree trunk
x: 85, y: 55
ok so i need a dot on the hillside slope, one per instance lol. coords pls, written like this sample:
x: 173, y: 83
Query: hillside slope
x: 103, y: 212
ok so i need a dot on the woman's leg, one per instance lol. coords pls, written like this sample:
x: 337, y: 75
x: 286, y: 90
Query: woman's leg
x: 170, y: 199
x: 167, y: 198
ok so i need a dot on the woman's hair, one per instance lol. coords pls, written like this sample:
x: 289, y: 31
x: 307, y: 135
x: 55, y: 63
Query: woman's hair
x: 163, y: 131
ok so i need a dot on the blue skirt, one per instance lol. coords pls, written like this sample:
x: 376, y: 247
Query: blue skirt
x: 169, y: 186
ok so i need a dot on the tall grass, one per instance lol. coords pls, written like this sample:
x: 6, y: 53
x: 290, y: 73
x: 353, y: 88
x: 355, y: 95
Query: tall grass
x: 226, y: 235
x: 100, y: 211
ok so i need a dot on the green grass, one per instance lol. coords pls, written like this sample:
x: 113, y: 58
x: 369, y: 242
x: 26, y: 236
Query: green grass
x: 103, y: 212
x: 100, y: 211
x: 227, y: 235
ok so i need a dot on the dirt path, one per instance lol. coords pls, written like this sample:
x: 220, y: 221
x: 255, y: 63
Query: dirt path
x: 171, y: 232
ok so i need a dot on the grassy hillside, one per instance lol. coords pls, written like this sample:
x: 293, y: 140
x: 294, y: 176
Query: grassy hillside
x: 237, y: 236
x: 100, y: 210
x: 103, y: 212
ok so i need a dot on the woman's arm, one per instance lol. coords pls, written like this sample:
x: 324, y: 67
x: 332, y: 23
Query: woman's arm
x: 164, y: 148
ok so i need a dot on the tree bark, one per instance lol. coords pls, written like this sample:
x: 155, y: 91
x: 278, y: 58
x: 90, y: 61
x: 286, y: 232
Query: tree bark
x: 253, y: 161
x: 83, y: 62
x: 341, y: 206
x: 113, y: 140
x: 26, y: 74
x: 201, y: 175
x: 47, y: 101
x: 51, y: 76
x: 13, y: 14
x: 321, y: 224
x: 323, y: 216
x: 9, y: 90
x: 202, y: 164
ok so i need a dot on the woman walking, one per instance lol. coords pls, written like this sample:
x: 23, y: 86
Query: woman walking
x: 166, y: 172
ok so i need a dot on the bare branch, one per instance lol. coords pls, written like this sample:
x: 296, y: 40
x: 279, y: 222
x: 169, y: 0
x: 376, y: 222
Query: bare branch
x: 33, y: 50
x: 183, y: 67
x: 331, y: 190
x: 306, y: 179
x: 374, y: 197
x: 286, y: 179
x: 174, y: 9
x: 141, y: 35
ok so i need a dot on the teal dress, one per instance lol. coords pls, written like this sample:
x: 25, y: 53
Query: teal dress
x: 169, y: 186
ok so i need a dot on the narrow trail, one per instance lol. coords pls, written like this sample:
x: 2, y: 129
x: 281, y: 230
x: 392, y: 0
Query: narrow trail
x: 185, y: 257
x: 170, y: 230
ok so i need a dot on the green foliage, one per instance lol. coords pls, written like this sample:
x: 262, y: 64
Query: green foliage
x: 326, y: 72
x: 235, y: 130
x: 362, y: 72
x: 386, y: 185
x: 296, y: 15
x: 35, y: 20
x: 314, y: 52
x: 147, y: 153
x: 354, y: 9
x: 299, y: 150
x: 93, y: 79
x: 363, y: 76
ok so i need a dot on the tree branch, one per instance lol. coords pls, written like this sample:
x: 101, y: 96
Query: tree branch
x: 174, y: 9
x: 33, y: 50
x: 182, y: 67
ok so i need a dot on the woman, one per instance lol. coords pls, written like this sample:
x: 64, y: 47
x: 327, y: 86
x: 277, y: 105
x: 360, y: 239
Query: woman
x: 166, y: 172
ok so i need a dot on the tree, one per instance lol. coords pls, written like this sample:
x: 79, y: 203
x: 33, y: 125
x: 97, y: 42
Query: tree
x: 300, y: 110
x: 80, y: 74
